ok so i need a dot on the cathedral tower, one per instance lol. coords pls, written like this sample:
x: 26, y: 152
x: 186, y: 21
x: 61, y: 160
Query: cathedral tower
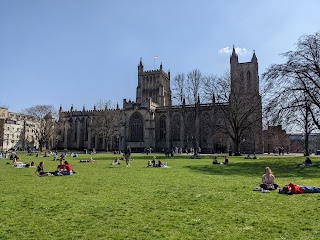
x: 244, y: 76
x: 154, y: 84
x: 245, y: 99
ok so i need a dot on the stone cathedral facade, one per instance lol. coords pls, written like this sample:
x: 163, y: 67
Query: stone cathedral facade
x: 153, y: 122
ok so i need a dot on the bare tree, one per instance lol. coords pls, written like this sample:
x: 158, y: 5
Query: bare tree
x: 189, y: 90
x: 292, y: 109
x: 194, y: 87
x: 194, y: 83
x: 307, y: 125
x: 179, y: 88
x: 296, y: 82
x: 210, y: 88
x: 241, y: 113
x: 44, y: 123
x: 105, y: 121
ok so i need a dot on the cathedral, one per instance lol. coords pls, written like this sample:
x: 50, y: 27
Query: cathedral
x: 153, y: 122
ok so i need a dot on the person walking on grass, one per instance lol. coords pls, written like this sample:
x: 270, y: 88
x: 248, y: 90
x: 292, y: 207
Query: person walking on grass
x: 127, y: 155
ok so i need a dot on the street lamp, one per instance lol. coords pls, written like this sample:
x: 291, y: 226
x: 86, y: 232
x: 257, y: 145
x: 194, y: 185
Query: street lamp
x: 118, y: 143
x: 56, y: 143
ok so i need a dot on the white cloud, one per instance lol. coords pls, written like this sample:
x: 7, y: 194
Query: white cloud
x: 239, y: 51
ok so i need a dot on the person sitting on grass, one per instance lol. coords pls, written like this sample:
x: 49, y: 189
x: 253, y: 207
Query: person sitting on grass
x: 298, y: 189
x: 55, y: 157
x: 62, y: 157
x: 307, y: 162
x: 149, y: 164
x: 164, y: 165
x: 226, y: 160
x: 268, y: 180
x: 215, y: 160
x: 116, y: 161
x: 41, y: 171
x: 67, y: 169
x: 153, y: 162
x: 60, y: 167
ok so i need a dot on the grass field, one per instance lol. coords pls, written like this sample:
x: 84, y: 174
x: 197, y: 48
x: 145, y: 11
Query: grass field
x: 191, y: 200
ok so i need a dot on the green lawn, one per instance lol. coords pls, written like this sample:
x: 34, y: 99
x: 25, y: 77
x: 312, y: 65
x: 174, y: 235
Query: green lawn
x: 191, y: 200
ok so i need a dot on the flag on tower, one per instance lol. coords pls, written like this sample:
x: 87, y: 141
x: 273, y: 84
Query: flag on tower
x: 156, y: 57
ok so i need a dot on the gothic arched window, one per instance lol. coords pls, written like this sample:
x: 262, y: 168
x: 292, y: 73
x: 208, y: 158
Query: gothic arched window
x: 248, y: 76
x: 176, y: 127
x: 206, y: 126
x: 241, y: 82
x: 136, y: 127
x: 75, y: 130
x: 163, y: 127
x: 86, y: 130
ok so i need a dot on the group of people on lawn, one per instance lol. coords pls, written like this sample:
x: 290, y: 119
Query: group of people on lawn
x: 216, y: 161
x: 153, y: 163
x: 17, y: 162
x: 268, y: 183
x: 126, y: 157
x: 268, y: 179
x: 64, y: 168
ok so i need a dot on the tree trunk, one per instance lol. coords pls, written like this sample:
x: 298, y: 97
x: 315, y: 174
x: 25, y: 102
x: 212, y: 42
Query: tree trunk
x: 40, y: 147
x: 306, y: 144
x: 236, y: 143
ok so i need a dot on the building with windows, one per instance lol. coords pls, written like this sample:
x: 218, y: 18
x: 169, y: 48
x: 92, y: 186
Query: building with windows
x: 297, y: 143
x: 153, y: 122
x: 274, y: 138
x: 16, y: 130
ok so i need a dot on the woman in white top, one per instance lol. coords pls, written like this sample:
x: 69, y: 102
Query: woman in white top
x: 268, y: 180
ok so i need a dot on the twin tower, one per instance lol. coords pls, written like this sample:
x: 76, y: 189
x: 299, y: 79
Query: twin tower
x: 152, y: 122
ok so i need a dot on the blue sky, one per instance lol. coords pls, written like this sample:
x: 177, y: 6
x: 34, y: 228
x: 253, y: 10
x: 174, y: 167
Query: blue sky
x: 79, y: 51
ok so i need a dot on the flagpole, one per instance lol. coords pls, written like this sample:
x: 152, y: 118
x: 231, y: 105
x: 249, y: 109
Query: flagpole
x: 154, y: 61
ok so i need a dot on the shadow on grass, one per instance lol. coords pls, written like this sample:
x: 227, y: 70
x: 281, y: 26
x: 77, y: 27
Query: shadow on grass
x: 256, y: 168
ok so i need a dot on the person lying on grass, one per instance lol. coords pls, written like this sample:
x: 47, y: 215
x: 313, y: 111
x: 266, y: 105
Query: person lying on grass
x: 30, y: 165
x: 16, y: 162
x: 86, y: 161
x: 298, y: 189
